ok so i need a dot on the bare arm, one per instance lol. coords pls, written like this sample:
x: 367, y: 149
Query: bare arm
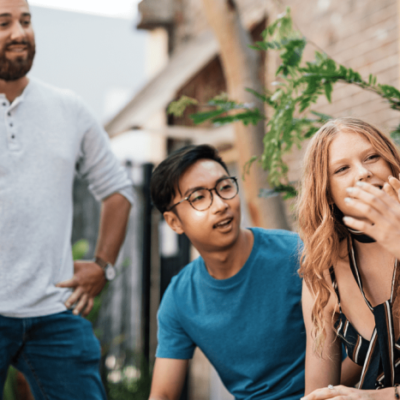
x: 320, y: 372
x: 113, y: 222
x: 351, y: 373
x: 168, y: 379
x: 88, y: 279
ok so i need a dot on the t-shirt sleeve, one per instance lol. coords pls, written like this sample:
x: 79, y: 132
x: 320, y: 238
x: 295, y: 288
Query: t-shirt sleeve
x: 96, y: 163
x: 173, y: 341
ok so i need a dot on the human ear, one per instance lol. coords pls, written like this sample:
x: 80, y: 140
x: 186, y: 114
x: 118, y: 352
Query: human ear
x: 173, y: 221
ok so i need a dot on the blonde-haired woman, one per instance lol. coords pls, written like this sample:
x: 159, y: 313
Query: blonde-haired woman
x: 349, y: 217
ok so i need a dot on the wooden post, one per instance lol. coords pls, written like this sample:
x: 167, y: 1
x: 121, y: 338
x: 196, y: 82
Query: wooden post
x: 240, y: 65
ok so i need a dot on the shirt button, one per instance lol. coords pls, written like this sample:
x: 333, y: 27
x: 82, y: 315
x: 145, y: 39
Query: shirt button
x: 4, y: 104
x: 11, y: 125
x: 9, y: 114
x: 12, y: 136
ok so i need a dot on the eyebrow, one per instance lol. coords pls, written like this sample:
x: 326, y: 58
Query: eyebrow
x: 339, y: 161
x: 10, y: 15
x: 202, y: 187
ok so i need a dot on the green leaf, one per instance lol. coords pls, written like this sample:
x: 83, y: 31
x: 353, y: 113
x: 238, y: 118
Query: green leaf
x: 178, y: 107
x: 10, y: 388
x: 395, y: 135
x: 322, y: 117
x: 247, y: 166
x: 247, y: 117
x: 328, y: 91
x: 260, y: 96
x: 80, y: 249
x: 201, y: 117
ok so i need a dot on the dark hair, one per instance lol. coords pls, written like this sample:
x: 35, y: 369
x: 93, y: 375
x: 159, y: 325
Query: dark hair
x: 165, y: 179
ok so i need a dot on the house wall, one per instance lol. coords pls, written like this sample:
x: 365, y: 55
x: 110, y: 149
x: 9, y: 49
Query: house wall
x: 190, y: 19
x: 362, y: 35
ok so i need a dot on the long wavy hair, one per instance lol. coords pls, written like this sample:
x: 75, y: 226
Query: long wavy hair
x: 320, y: 221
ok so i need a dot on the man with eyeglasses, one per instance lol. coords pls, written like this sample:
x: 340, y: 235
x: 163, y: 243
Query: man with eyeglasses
x: 239, y: 302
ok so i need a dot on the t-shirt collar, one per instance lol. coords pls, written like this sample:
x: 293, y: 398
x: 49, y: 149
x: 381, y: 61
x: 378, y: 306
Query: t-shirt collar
x: 237, y: 278
x: 20, y: 98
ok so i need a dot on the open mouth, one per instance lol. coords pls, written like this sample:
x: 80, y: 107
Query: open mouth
x: 18, y: 48
x: 223, y: 224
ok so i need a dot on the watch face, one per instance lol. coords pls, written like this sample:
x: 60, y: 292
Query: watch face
x: 110, y: 272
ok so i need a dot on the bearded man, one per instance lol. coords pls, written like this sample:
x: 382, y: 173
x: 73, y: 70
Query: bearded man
x: 47, y: 135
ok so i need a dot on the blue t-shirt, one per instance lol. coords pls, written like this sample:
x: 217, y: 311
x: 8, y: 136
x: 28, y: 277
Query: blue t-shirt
x: 249, y: 326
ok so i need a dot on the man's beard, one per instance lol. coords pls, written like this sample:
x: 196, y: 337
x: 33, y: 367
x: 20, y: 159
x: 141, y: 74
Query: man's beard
x: 12, y: 70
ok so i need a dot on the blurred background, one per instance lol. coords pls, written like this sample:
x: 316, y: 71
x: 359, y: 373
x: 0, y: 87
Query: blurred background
x: 128, y: 59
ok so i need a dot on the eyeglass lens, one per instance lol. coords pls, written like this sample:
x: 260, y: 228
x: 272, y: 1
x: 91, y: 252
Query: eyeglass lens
x: 201, y: 199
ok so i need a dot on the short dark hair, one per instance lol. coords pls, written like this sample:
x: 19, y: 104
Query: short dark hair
x: 165, y: 179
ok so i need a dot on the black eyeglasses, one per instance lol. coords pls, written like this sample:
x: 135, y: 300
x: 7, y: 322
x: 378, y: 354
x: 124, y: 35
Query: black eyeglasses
x: 202, y: 198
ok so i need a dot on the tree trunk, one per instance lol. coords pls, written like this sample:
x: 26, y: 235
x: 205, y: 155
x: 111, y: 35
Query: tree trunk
x: 240, y: 64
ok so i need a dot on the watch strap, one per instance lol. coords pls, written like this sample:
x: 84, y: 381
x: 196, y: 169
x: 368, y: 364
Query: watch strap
x: 101, y: 263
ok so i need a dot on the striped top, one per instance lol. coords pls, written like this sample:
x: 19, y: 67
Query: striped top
x: 380, y: 356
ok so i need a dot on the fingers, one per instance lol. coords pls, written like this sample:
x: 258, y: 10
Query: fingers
x: 89, y: 307
x: 70, y: 283
x: 358, y: 225
x: 371, y: 195
x: 339, y: 392
x: 75, y: 296
x: 323, y: 394
x: 82, y: 303
x: 369, y: 200
x: 395, y: 184
x: 366, y: 209
x: 390, y: 191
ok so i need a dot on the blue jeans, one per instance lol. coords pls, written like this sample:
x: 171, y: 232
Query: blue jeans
x: 58, y: 354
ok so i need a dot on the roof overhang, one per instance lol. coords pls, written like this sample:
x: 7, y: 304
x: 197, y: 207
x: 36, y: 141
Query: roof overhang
x: 158, y: 93
x: 190, y: 59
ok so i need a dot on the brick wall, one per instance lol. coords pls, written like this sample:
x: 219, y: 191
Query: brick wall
x: 361, y: 34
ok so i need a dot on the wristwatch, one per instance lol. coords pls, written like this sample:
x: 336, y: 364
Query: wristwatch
x: 108, y: 268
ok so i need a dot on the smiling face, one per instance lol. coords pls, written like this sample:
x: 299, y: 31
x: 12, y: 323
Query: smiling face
x: 17, y: 40
x: 214, y: 229
x: 352, y: 158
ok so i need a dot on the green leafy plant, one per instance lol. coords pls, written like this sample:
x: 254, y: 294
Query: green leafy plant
x: 10, y: 387
x: 129, y: 382
x: 298, y: 86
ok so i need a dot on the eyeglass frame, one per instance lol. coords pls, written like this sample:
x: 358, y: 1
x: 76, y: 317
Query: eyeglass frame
x: 210, y: 190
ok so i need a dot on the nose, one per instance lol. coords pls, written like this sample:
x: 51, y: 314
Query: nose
x: 363, y: 173
x: 219, y: 204
x: 18, y: 32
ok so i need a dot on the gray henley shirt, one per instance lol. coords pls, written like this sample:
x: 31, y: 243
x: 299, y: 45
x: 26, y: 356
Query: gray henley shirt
x: 46, y: 136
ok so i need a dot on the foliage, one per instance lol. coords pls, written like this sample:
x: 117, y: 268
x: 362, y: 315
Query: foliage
x: 178, y: 107
x: 298, y: 86
x: 130, y: 382
x: 80, y: 249
x: 10, y: 387
x: 121, y: 383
